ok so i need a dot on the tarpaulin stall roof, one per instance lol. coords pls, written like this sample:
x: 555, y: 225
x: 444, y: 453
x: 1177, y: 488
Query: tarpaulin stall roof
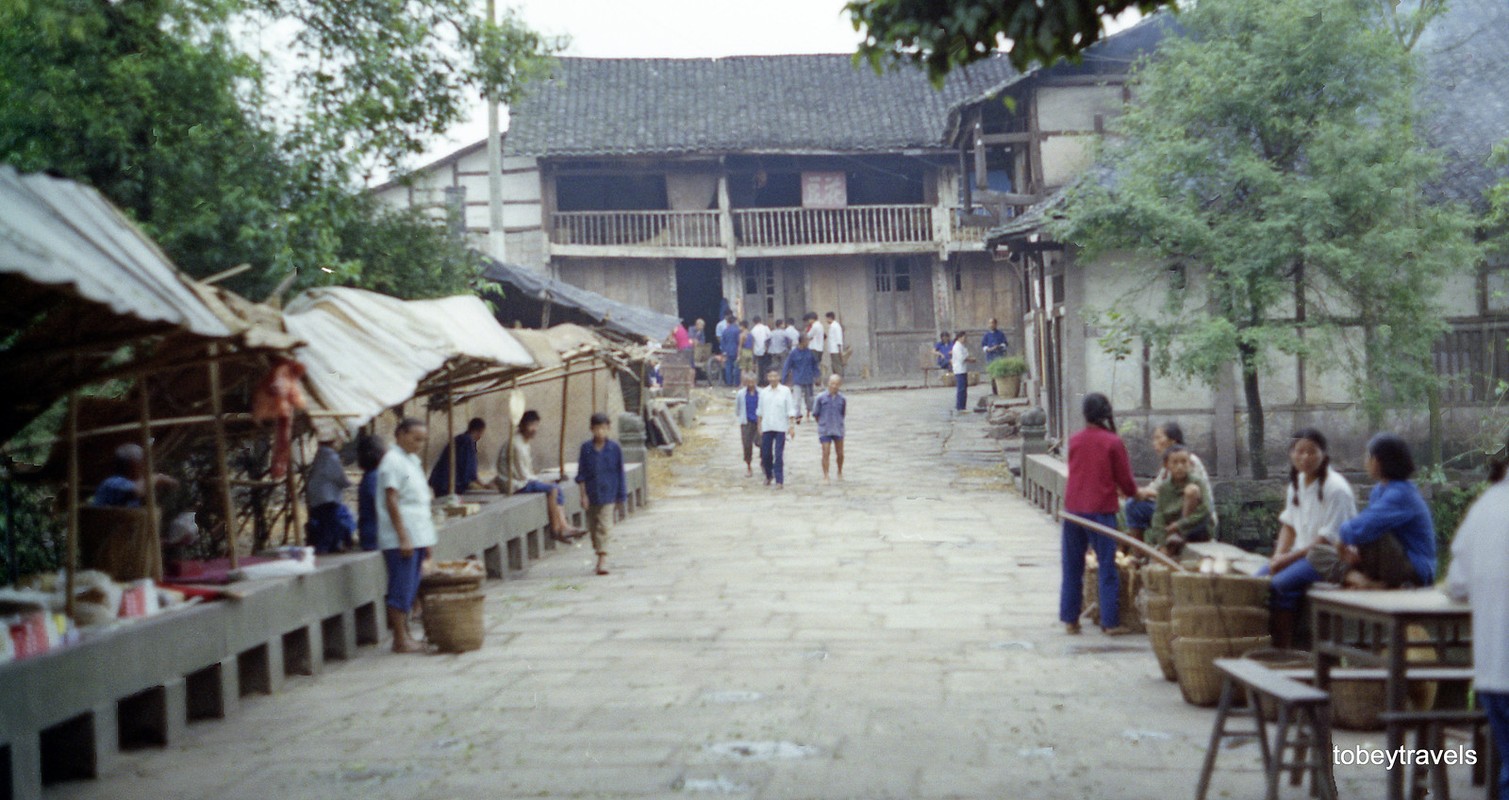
x: 80, y: 283
x: 368, y: 352
x: 526, y: 293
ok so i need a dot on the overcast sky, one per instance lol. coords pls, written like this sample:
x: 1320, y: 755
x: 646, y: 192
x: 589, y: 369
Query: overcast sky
x: 675, y: 29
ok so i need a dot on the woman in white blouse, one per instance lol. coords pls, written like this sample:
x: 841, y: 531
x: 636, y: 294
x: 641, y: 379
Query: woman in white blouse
x: 1319, y: 499
x: 1479, y: 562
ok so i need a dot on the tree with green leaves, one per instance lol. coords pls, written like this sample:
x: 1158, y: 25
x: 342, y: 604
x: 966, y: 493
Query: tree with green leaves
x: 942, y: 35
x: 242, y: 131
x: 1271, y: 157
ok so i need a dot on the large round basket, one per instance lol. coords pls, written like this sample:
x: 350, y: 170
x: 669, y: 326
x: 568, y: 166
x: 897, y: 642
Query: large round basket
x: 1157, y: 578
x: 1219, y: 622
x: 1131, y: 585
x: 1194, y: 661
x: 442, y: 583
x: 1160, y: 634
x: 1278, y: 658
x: 453, y: 622
x: 1355, y: 704
x: 1157, y: 608
x: 1198, y: 589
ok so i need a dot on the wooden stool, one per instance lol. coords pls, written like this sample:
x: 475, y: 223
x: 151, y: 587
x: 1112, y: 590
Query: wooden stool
x: 1303, y: 726
x: 1429, y: 728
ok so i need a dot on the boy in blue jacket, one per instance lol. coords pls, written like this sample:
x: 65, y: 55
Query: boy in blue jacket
x: 801, y: 370
x: 600, y: 477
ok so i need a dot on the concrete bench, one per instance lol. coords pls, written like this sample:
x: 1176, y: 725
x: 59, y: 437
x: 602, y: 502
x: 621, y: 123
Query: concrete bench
x: 1303, y: 726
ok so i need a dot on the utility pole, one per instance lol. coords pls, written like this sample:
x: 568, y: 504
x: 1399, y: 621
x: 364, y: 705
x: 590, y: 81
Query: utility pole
x: 494, y: 165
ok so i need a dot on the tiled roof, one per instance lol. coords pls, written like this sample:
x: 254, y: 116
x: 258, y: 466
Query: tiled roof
x: 1464, y: 94
x: 793, y: 104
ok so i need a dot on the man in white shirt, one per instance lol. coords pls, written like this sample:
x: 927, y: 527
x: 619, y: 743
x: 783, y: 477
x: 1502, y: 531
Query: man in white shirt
x: 405, y: 525
x: 777, y: 410
x: 760, y: 333
x: 793, y: 336
x: 1479, y: 564
x: 834, y: 346
x: 959, y: 359
x: 779, y: 344
x: 817, y: 338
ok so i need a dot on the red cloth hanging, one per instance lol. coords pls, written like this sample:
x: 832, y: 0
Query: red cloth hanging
x: 278, y: 395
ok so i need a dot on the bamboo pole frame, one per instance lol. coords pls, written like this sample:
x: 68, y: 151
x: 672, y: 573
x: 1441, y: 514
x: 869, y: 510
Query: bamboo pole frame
x: 1132, y: 542
x: 72, y: 556
x: 149, y: 465
x: 222, y: 457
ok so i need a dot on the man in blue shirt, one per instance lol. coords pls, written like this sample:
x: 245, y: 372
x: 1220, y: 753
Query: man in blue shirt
x: 746, y: 411
x: 829, y: 410
x: 801, y: 370
x: 994, y: 342
x: 600, y: 477
x: 466, y: 462
x: 128, y: 485
x: 728, y: 345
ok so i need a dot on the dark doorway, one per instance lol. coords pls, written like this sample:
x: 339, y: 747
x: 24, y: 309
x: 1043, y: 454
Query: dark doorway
x: 699, y: 293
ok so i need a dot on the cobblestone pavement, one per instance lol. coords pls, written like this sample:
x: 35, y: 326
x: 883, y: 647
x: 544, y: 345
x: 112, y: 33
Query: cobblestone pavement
x: 893, y: 635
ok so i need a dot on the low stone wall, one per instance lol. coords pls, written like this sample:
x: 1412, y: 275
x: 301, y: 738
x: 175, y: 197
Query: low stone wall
x: 72, y: 713
x: 1043, y: 481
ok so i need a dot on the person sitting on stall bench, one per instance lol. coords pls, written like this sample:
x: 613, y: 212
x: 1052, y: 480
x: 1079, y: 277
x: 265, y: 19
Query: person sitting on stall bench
x: 330, y: 524
x: 127, y: 485
x: 516, y: 476
x: 466, y: 462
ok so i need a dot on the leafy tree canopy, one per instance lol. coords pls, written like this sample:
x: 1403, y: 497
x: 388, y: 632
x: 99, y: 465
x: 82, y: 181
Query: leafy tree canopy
x: 230, y: 154
x: 1271, y: 155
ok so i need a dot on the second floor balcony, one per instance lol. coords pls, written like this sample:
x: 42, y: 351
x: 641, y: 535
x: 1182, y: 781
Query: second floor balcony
x: 758, y: 232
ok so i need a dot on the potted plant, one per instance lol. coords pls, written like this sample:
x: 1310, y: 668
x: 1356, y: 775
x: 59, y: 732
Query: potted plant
x: 1006, y: 374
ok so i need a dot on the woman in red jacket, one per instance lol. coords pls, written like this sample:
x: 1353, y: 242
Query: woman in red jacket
x: 1099, y: 469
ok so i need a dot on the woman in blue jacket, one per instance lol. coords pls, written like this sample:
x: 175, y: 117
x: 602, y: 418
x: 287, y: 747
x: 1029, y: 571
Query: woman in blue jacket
x: 1392, y: 542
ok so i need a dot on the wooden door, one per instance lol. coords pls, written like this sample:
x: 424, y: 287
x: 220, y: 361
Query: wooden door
x: 901, y: 312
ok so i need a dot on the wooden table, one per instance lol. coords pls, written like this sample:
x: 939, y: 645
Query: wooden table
x: 1370, y: 628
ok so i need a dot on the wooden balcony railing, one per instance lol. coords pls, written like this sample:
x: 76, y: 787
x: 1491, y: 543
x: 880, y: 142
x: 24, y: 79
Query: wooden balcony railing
x: 752, y: 227
x: 636, y: 228
x: 786, y: 227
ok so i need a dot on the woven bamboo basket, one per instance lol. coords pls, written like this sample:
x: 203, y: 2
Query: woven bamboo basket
x: 1355, y: 704
x: 453, y: 622
x: 453, y: 577
x: 1158, y: 579
x: 1160, y: 634
x: 1157, y: 608
x: 1194, y: 662
x: 1197, y: 589
x: 1278, y: 658
x: 1131, y: 584
x: 1219, y: 622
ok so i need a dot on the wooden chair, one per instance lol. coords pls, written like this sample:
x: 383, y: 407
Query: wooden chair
x: 1303, y: 726
x: 120, y: 542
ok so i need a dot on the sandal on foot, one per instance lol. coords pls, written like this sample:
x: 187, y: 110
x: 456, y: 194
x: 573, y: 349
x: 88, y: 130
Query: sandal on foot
x: 1119, y: 630
x: 1072, y: 628
x: 602, y: 571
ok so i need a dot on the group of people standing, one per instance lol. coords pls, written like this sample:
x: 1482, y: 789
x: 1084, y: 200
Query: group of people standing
x: 751, y: 346
x: 395, y: 497
x: 954, y: 356
x: 768, y: 415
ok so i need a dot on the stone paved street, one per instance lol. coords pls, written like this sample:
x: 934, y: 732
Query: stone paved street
x: 890, y: 636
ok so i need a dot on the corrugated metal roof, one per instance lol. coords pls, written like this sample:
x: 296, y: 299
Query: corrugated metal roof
x: 611, y: 315
x: 60, y: 233
x: 368, y: 352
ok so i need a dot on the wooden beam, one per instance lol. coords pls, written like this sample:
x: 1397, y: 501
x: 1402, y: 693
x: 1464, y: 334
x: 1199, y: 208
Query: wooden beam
x: 154, y: 525
x: 982, y: 177
x: 1014, y: 137
x: 222, y: 459
x: 1109, y: 79
x: 71, y: 559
